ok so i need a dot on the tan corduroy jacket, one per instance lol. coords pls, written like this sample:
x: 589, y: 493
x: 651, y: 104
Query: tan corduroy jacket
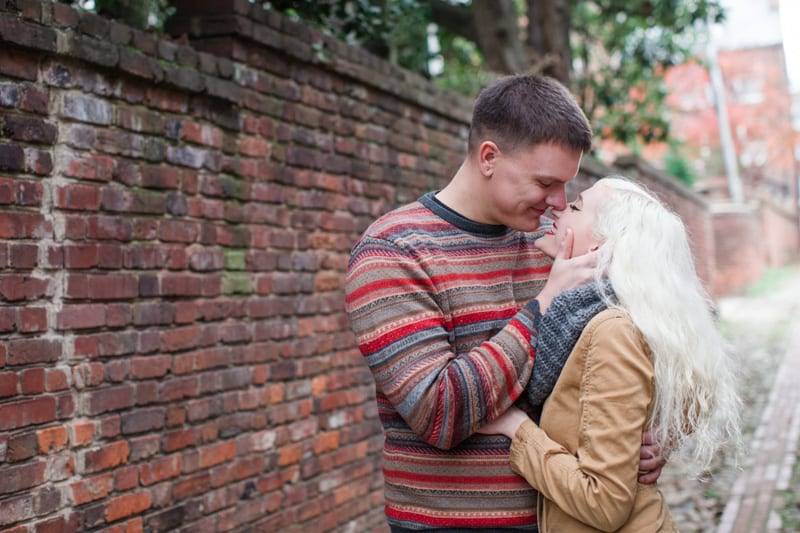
x: 585, y: 458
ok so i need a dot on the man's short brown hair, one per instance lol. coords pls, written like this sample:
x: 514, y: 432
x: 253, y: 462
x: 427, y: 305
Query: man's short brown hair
x: 525, y: 110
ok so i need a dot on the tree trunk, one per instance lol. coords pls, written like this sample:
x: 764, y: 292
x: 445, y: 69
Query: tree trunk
x: 493, y: 25
x: 549, y: 23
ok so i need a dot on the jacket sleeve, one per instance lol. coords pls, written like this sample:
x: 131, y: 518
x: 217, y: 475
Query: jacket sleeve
x: 405, y: 337
x: 598, y: 486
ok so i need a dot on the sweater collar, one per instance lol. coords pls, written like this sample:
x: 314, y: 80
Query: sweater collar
x: 430, y: 201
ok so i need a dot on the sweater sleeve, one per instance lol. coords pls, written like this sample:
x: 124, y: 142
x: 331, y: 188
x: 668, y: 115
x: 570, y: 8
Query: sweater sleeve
x: 406, y: 340
x: 598, y: 486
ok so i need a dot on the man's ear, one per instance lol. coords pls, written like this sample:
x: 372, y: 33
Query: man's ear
x: 487, y: 156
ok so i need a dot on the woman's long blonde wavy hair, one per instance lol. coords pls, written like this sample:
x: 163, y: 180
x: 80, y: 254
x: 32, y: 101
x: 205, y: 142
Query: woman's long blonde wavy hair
x: 646, y: 256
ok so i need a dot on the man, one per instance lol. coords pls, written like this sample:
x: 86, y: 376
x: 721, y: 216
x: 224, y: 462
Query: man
x: 445, y: 296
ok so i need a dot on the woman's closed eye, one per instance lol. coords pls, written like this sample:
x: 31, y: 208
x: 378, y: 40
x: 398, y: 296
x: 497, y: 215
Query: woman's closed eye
x: 574, y: 207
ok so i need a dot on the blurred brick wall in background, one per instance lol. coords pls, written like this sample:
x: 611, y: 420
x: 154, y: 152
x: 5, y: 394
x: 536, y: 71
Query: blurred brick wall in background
x: 174, y: 226
x: 175, y: 221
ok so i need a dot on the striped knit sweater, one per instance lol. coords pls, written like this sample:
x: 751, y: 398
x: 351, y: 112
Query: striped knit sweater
x: 442, y: 311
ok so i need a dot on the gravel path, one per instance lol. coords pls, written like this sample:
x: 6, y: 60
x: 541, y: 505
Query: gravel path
x: 758, y: 329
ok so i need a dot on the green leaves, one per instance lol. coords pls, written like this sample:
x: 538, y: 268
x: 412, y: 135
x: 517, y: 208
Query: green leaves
x: 622, y: 49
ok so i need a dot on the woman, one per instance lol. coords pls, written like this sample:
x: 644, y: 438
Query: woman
x: 650, y: 357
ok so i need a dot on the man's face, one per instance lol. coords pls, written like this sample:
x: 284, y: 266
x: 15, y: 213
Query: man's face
x: 526, y: 182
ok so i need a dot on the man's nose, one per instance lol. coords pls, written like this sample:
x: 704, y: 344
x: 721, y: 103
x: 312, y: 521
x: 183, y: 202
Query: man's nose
x: 558, y: 199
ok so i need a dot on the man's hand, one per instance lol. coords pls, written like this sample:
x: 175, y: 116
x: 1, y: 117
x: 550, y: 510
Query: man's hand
x: 568, y: 272
x: 651, y: 459
x: 506, y: 424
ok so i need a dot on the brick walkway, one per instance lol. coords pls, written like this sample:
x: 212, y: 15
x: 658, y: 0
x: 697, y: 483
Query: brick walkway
x: 768, y: 465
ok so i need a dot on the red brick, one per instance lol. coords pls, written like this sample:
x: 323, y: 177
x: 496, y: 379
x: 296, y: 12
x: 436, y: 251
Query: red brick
x: 77, y: 197
x: 54, y: 256
x: 58, y: 524
x: 91, y: 488
x: 28, y: 351
x: 24, y: 413
x: 110, y: 255
x: 8, y: 318
x: 110, y: 399
x: 201, y: 134
x: 217, y: 453
x: 8, y: 384
x: 15, y: 287
x: 150, y: 367
x: 84, y: 347
x: 81, y: 316
x: 91, y: 167
x: 325, y: 442
x: 178, y: 231
x: 81, y: 433
x: 16, y: 509
x: 81, y: 255
x: 21, y: 477
x: 52, y: 438
x: 22, y: 256
x: 88, y: 374
x: 143, y: 420
x: 35, y: 99
x: 56, y: 379
x: 18, y: 63
x: 12, y: 157
x: 127, y: 505
x: 181, y: 338
x: 191, y: 486
x: 110, y: 227
x: 113, y: 286
x: 116, y: 343
x: 126, y: 478
x: 105, y: 457
x: 291, y: 454
x: 76, y: 286
x: 7, y: 192
x: 161, y: 177
x: 30, y: 192
x: 29, y: 129
x: 76, y: 227
x: 39, y: 162
x: 23, y: 225
x: 33, y: 381
x: 160, y: 469
x: 178, y: 440
x: 32, y: 319
x: 254, y: 147
x: 118, y: 314
x: 65, y: 404
x: 176, y: 415
x: 21, y: 446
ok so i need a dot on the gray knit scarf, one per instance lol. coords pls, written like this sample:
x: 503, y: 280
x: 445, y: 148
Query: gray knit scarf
x: 559, y: 330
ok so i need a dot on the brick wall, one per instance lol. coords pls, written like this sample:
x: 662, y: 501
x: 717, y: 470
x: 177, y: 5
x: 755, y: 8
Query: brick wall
x: 739, y: 249
x: 780, y: 235
x: 174, y: 226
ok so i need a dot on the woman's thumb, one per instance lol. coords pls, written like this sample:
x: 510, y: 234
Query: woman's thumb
x: 565, y: 246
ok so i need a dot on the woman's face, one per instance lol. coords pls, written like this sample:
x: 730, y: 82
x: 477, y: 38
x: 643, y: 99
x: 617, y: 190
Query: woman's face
x: 580, y: 216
